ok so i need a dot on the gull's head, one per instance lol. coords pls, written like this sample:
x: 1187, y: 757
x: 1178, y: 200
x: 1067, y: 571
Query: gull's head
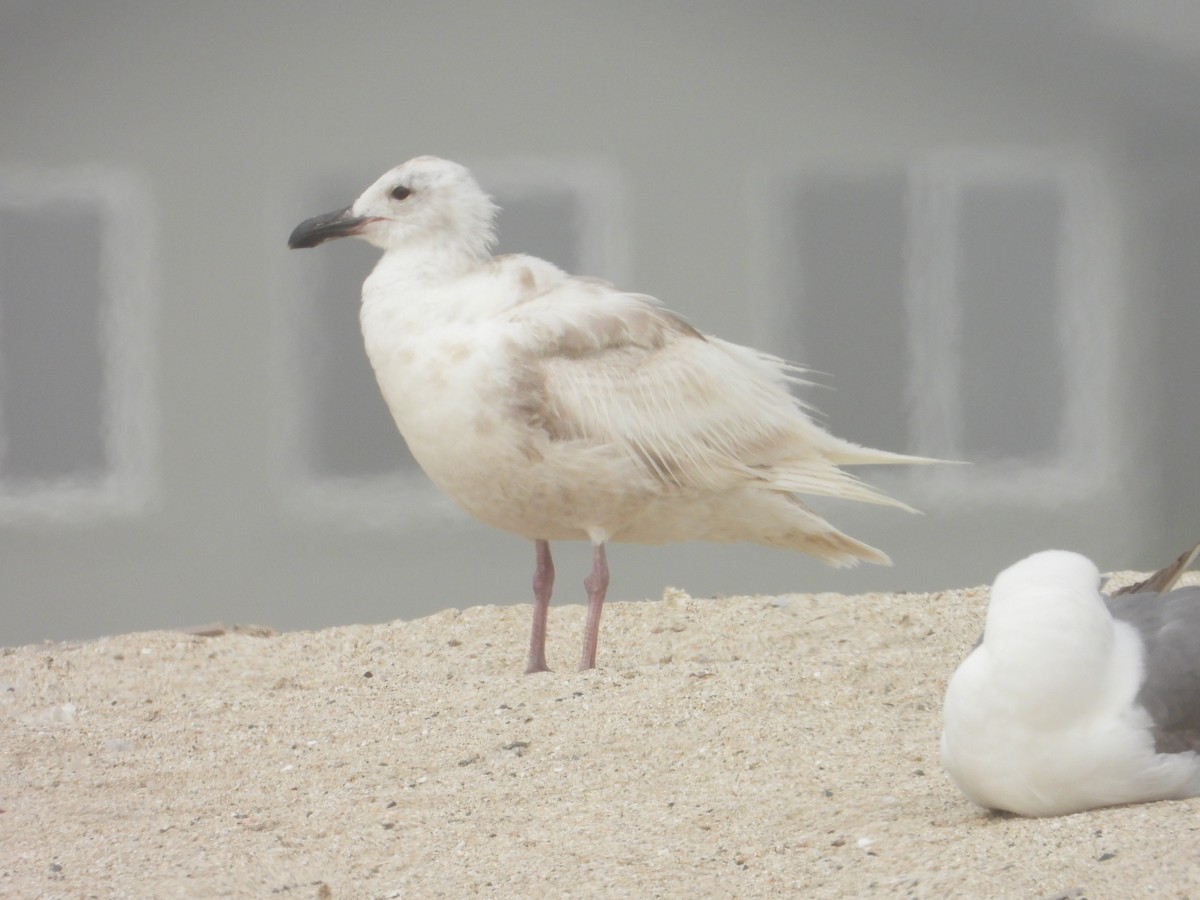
x: 1051, y: 592
x: 425, y: 200
x: 1048, y: 568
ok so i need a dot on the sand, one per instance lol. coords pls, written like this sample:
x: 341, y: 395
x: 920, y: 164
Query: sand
x: 733, y: 747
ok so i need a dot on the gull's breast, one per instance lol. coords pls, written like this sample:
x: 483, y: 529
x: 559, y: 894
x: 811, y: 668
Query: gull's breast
x: 453, y: 397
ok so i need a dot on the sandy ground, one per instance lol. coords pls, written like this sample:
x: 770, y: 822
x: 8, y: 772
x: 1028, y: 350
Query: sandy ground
x: 737, y: 747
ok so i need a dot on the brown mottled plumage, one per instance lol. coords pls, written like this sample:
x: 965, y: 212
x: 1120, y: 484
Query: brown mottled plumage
x: 561, y: 408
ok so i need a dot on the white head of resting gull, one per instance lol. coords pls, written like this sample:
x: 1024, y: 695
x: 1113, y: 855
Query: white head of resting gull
x: 1073, y: 700
x: 561, y: 408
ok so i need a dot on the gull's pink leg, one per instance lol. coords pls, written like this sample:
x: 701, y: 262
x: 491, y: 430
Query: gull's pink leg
x: 543, y: 584
x: 597, y: 587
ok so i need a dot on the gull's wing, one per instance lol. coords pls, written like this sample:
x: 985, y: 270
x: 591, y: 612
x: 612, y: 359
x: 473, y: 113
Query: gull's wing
x: 1169, y: 625
x: 692, y: 411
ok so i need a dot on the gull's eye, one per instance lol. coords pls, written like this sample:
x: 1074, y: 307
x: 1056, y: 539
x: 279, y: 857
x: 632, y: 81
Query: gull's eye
x: 400, y: 192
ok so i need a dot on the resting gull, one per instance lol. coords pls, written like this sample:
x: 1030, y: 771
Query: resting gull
x: 1074, y: 700
x: 561, y: 408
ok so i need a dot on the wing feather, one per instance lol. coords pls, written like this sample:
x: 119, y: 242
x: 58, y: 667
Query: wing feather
x: 693, y: 411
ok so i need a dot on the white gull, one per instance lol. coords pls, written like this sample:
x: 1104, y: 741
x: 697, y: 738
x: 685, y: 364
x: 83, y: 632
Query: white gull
x: 561, y: 408
x: 1073, y: 700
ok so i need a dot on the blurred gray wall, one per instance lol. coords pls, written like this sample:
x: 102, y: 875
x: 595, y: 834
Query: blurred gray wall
x: 977, y: 223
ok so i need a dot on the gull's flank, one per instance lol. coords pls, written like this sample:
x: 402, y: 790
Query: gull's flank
x: 561, y: 408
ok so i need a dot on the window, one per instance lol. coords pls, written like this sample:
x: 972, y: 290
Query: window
x: 850, y: 319
x: 962, y: 308
x: 77, y: 436
x: 342, y: 457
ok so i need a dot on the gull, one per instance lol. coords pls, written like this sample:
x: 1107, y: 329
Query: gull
x: 558, y: 407
x: 1073, y: 700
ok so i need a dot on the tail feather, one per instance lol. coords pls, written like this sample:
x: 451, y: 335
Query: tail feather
x: 847, y: 453
x: 823, y: 479
x: 810, y: 533
x: 1165, y: 578
x: 834, y: 548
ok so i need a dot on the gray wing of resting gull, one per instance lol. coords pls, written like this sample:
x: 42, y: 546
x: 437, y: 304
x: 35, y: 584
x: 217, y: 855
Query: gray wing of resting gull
x: 1073, y: 700
x: 562, y: 408
x: 1168, y: 622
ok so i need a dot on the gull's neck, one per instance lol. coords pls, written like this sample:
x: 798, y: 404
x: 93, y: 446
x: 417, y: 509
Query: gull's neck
x: 426, y: 264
